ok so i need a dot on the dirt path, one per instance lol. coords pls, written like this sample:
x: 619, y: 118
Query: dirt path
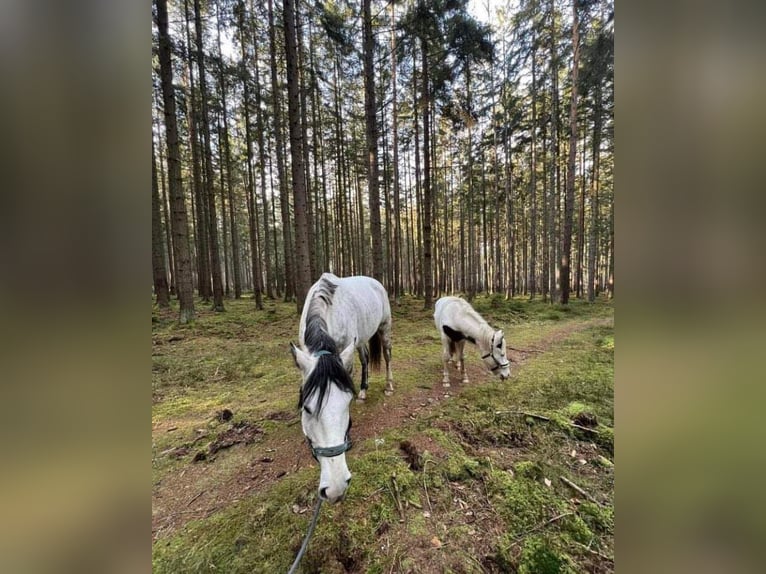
x: 198, y: 490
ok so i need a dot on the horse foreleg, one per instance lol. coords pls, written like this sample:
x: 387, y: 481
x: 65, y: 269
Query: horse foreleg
x: 364, y: 358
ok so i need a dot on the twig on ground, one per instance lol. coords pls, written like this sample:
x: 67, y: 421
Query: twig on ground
x: 396, y: 497
x: 195, y: 498
x: 540, y: 526
x: 578, y: 489
x: 425, y: 487
x: 525, y: 350
x: 594, y: 552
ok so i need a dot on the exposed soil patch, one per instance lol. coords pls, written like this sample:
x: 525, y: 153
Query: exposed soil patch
x: 411, y: 455
x: 586, y: 419
x: 240, y: 433
x: 281, y: 416
x: 224, y: 416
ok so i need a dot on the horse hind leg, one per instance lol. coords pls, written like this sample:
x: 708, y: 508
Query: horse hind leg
x: 384, y: 335
x: 448, y: 349
x: 364, y: 358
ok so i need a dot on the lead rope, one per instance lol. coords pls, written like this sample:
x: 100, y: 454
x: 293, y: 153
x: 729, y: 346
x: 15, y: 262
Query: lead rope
x: 305, y: 544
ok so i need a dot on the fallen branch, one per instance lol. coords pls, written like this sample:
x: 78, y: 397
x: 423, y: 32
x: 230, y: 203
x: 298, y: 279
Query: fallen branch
x: 526, y: 414
x: 594, y: 431
x: 547, y: 419
x: 578, y: 489
x: 524, y: 350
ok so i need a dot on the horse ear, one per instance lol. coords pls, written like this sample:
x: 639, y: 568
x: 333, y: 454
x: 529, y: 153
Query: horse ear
x: 347, y: 355
x: 302, y: 360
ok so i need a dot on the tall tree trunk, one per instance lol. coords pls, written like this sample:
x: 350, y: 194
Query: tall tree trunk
x: 428, y: 278
x: 303, y: 255
x: 509, y: 214
x: 260, y: 129
x: 569, y: 197
x: 581, y: 222
x: 532, y: 282
x: 371, y: 133
x: 554, y: 164
x: 222, y: 189
x: 301, y: 68
x: 250, y: 192
x: 179, y: 220
x: 200, y: 213
x: 594, y: 207
x: 159, y: 274
x: 235, y: 250
x: 166, y: 219
x: 397, y: 254
x: 289, y: 267
x: 215, y: 261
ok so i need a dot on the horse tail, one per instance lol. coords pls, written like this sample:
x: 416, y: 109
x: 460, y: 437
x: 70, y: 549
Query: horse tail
x: 376, y: 350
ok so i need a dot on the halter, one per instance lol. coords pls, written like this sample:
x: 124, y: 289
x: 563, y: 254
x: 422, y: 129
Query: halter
x: 498, y: 365
x: 330, y: 451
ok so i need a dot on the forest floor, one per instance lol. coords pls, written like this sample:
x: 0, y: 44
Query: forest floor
x: 477, y: 477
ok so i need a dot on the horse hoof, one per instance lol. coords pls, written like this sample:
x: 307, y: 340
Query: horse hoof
x: 465, y: 381
x: 445, y: 384
x: 362, y: 396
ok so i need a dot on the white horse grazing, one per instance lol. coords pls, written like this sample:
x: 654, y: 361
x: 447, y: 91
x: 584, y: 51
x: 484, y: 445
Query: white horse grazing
x: 457, y: 323
x: 339, y: 315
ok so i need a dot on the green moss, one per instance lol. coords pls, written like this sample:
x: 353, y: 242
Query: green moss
x: 597, y: 517
x: 528, y: 469
x: 537, y: 557
x: 575, y: 408
x: 577, y: 528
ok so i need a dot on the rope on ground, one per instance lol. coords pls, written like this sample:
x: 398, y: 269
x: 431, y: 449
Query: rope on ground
x: 305, y: 544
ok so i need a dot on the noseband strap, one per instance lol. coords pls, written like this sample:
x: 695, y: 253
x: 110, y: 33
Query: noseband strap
x: 323, y: 352
x: 330, y: 451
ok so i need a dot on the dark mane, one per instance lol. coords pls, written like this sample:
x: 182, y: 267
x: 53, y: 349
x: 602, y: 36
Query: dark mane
x: 329, y: 367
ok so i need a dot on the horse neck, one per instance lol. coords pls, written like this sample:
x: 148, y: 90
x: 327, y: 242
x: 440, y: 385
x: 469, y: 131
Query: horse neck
x: 479, y: 329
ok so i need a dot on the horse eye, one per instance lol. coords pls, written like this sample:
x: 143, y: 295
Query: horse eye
x: 499, y: 345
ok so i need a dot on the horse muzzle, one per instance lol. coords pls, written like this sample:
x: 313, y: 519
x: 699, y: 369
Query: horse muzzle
x: 333, y: 494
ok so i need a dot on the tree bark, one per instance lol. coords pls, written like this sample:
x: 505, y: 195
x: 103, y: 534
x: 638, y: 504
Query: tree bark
x: 159, y: 273
x: 215, y: 261
x: 371, y: 132
x: 428, y: 278
x: 303, y: 261
x: 569, y: 197
x: 200, y: 213
x: 250, y: 192
x: 179, y: 220
x: 289, y: 272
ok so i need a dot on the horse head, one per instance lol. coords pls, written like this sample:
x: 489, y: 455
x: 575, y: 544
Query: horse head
x: 495, y: 358
x: 325, y: 399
